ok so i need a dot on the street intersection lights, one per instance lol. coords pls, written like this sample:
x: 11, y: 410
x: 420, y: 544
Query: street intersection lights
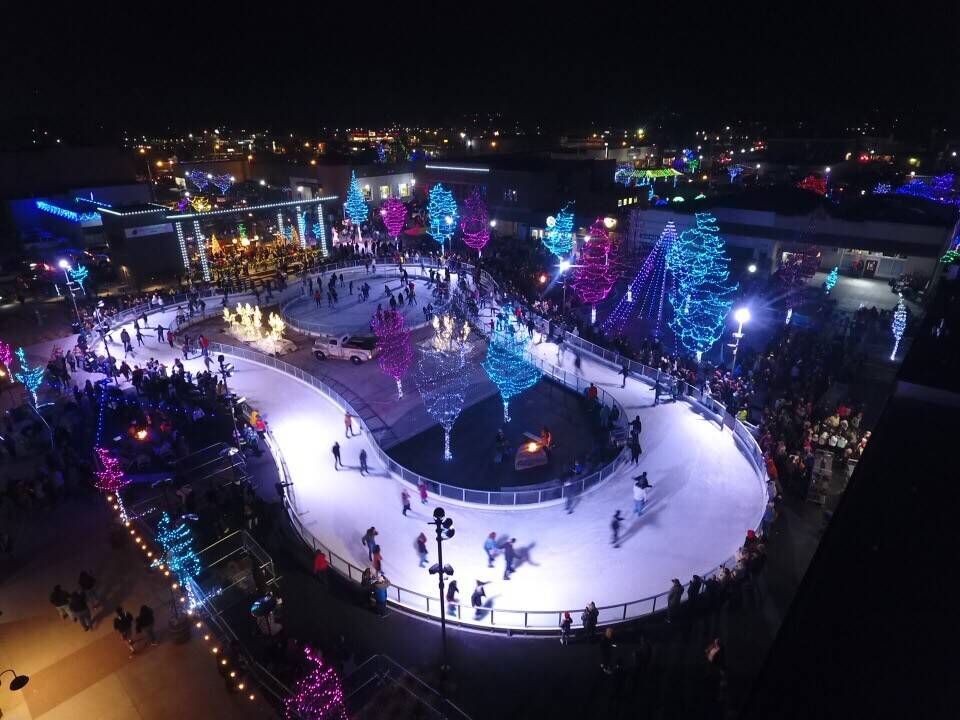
x: 444, y: 528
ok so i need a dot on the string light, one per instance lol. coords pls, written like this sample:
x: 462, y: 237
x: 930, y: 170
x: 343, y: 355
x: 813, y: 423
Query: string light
x: 183, y: 245
x: 302, y: 227
x: 814, y: 183
x: 201, y: 250
x: 442, y: 212
x: 71, y: 215
x: 898, y: 326
x: 222, y: 182
x: 733, y: 171
x: 198, y: 178
x: 318, y: 695
x: 507, y: 363
x: 701, y: 295
x: 476, y: 221
x: 356, y: 205
x: 234, y: 210
x: 111, y: 479
x: 649, y: 287
x: 393, y: 340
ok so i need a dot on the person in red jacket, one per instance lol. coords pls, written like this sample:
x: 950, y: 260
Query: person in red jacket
x: 321, y: 567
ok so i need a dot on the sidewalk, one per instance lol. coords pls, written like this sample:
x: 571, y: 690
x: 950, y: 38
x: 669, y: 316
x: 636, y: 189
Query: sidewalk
x: 76, y: 674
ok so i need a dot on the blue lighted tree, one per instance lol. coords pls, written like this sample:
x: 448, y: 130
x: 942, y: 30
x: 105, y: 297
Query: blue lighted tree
x: 31, y: 377
x: 702, y: 294
x: 178, y: 553
x: 508, y: 365
x: 442, y: 212
x: 558, y: 237
x: 831, y: 281
x: 441, y: 375
x: 79, y: 275
x: 356, y: 205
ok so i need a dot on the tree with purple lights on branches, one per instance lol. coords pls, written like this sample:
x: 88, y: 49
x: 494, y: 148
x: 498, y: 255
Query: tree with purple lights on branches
x: 393, y: 341
x: 318, y: 695
x: 595, y: 272
x: 111, y: 478
x: 394, y: 214
x: 475, y: 223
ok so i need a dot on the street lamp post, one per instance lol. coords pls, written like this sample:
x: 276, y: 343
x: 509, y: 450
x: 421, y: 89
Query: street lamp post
x: 742, y: 316
x: 65, y: 266
x: 564, y: 266
x: 444, y: 529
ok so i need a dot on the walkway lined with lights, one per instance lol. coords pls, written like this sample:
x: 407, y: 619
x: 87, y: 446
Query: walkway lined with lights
x: 705, y: 496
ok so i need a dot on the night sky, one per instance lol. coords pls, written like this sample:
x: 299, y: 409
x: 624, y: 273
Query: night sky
x: 87, y: 72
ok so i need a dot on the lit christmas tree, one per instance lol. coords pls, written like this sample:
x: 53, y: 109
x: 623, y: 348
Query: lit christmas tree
x: 645, y: 295
x: 794, y: 274
x: 178, y: 553
x: 814, y: 184
x: 394, y: 214
x: 733, y: 171
x: 701, y: 294
x: 215, y: 248
x: 558, y: 238
x: 898, y: 326
x: 79, y: 275
x: 476, y: 221
x: 393, y: 341
x: 31, y: 377
x: 111, y: 479
x: 222, y: 182
x: 356, y: 205
x: 319, y: 695
x: 442, y: 376
x: 6, y: 358
x: 442, y: 213
x: 596, y: 272
x: 198, y: 178
x: 831, y: 282
x: 508, y: 364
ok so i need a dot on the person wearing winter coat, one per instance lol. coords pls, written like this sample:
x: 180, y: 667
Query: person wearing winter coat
x: 641, y: 489
x: 422, y: 548
x: 693, y: 590
x: 476, y: 599
x: 565, y: 625
x: 673, y: 599
x: 490, y: 548
x: 589, y: 619
x: 452, y: 592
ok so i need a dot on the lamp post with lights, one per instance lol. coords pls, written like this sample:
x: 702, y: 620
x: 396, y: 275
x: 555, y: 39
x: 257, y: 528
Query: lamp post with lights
x: 742, y: 316
x: 65, y: 266
x: 445, y: 531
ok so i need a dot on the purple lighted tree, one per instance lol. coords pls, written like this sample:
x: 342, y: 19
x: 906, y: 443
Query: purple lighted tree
x: 475, y: 223
x: 596, y: 272
x: 393, y: 340
x: 394, y: 214
x: 111, y: 478
x: 6, y: 357
x: 319, y: 695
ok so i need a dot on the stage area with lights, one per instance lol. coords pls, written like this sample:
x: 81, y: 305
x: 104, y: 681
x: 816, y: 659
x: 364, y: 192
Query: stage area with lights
x: 351, y: 316
x: 481, y: 462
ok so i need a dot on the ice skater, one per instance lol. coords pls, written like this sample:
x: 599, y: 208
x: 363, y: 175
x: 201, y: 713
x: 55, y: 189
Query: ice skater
x: 368, y: 541
x: 422, y: 488
x: 363, y: 462
x: 422, y: 548
x: 476, y: 599
x: 336, y: 456
x: 490, y: 548
x: 615, y: 529
x: 625, y: 371
x: 509, y: 555
x: 641, y: 490
x: 348, y: 424
x: 405, y: 499
x: 565, y: 625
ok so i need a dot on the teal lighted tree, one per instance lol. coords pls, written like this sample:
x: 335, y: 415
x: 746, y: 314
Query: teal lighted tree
x: 356, y: 204
x: 558, y: 237
x: 702, y: 294
x: 178, y: 553
x: 442, y: 214
x: 508, y: 365
x: 31, y: 377
x: 831, y: 282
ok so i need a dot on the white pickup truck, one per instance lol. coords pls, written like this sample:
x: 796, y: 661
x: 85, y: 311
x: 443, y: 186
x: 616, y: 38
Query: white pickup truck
x: 356, y: 349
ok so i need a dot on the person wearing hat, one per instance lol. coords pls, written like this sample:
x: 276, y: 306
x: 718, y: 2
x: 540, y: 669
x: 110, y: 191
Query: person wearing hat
x: 641, y: 489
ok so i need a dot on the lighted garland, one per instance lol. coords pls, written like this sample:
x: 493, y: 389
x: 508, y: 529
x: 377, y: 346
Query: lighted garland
x: 356, y: 205
x: 393, y: 341
x: 318, y: 695
x: 507, y: 363
x: 558, y: 238
x: 442, y: 214
x: 476, y: 221
x: 701, y: 295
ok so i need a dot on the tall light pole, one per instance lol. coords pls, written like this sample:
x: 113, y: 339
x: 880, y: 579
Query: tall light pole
x: 742, y: 316
x: 564, y: 266
x: 65, y: 266
x: 444, y: 528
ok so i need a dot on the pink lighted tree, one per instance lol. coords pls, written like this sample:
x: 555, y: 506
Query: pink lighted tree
x: 394, y: 214
x: 393, y: 340
x: 475, y: 223
x: 111, y: 478
x: 596, y: 271
x: 319, y: 695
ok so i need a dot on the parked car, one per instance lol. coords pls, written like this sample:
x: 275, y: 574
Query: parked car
x: 356, y: 349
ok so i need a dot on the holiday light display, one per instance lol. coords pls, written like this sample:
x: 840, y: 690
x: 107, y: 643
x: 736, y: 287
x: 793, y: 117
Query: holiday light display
x: 31, y: 377
x: 79, y: 275
x: 111, y: 479
x: 476, y: 221
x: 222, y: 182
x: 508, y: 365
x: 242, y: 234
x: 831, y: 282
x: 442, y: 376
x: 215, y: 248
x: 381, y: 154
x: 199, y: 203
x: 277, y: 327
x: 701, y: 294
x: 442, y: 214
x: 558, y: 238
x: 394, y: 214
x: 898, y: 326
x: 201, y: 250
x: 319, y: 695
x: 393, y: 341
x: 320, y: 234
x: 596, y: 271
x: 301, y: 227
x: 356, y: 205
x: 6, y: 357
x: 179, y: 555
x: 733, y: 171
x: 198, y: 178
x: 883, y: 189
x: 814, y: 183
x: 646, y: 293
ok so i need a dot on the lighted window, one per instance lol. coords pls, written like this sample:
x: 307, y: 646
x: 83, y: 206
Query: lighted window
x: 403, y: 190
x: 367, y: 193
x: 510, y: 196
x: 384, y: 192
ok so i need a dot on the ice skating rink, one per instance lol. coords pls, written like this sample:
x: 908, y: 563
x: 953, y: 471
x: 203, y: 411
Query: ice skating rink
x: 705, y: 496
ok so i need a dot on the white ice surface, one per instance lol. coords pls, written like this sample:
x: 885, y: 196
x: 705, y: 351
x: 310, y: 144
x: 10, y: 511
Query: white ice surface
x: 705, y: 496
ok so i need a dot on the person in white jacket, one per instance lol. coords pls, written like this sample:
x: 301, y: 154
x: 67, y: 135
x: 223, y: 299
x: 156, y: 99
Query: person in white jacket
x: 641, y: 490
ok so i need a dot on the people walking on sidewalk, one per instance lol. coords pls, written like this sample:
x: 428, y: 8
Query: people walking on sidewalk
x: 88, y: 585
x: 60, y: 599
x: 80, y: 610
x: 145, y: 622
x: 123, y: 624
x: 321, y: 567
